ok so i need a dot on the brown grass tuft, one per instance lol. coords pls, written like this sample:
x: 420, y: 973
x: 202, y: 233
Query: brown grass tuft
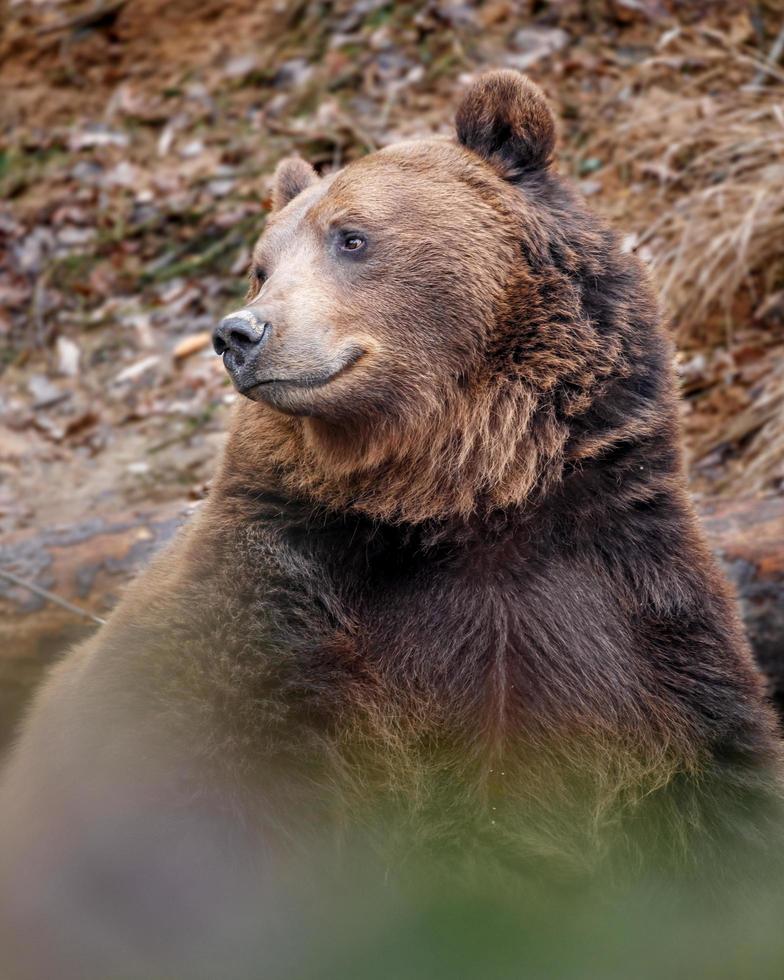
x: 701, y: 151
x: 709, y: 171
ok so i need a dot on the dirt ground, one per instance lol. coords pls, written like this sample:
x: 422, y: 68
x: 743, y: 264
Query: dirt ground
x: 136, y: 142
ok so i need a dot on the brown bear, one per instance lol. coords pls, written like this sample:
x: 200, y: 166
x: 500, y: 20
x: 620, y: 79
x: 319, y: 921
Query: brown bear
x: 447, y: 593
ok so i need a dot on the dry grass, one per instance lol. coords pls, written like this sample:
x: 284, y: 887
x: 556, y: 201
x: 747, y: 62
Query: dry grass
x: 721, y: 167
x: 703, y: 162
x: 709, y: 164
x: 762, y: 426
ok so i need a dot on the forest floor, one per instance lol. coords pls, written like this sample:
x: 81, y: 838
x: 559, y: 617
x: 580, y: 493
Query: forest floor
x: 136, y: 143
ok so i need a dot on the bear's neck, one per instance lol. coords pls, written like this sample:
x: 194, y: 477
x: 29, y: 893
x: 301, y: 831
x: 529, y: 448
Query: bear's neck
x: 468, y: 457
x: 501, y: 448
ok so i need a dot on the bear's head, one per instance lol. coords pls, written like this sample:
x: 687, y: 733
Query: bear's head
x: 427, y: 329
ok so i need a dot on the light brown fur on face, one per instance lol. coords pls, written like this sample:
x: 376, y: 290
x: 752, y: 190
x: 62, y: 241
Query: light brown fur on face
x: 421, y: 308
x: 423, y: 295
x: 422, y: 424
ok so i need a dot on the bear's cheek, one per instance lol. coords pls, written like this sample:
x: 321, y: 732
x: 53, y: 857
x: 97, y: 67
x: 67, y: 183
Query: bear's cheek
x: 425, y: 326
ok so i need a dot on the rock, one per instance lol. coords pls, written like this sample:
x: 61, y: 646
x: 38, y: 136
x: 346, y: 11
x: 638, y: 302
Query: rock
x: 293, y: 73
x: 44, y: 392
x: 536, y: 43
x: 68, y: 356
x: 191, y: 149
x: 241, y: 66
x: 73, y: 237
x: 590, y: 187
x: 94, y: 136
x: 125, y: 174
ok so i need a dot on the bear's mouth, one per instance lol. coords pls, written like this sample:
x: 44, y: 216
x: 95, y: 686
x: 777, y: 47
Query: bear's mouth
x: 261, y: 388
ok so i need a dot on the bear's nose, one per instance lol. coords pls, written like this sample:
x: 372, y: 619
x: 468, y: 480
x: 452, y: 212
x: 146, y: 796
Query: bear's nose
x: 239, y: 333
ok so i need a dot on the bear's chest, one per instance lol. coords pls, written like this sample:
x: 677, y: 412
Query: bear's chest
x: 474, y: 690
x: 499, y: 641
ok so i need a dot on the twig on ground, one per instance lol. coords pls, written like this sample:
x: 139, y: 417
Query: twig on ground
x: 771, y: 61
x: 46, y: 594
x: 91, y: 18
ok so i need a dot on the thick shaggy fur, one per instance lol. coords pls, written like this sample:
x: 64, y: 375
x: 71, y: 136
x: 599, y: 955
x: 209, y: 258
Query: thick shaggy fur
x: 455, y: 598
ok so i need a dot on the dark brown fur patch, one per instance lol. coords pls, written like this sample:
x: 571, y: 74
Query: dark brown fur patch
x: 505, y: 119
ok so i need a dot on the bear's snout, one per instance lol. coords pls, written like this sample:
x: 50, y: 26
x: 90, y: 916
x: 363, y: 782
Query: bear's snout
x: 238, y: 338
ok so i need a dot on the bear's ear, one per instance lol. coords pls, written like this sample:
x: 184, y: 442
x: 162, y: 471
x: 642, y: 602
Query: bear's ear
x: 505, y: 118
x: 292, y: 176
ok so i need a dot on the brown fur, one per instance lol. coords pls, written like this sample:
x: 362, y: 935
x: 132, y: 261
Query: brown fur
x: 479, y: 436
x: 448, y: 590
x: 292, y: 177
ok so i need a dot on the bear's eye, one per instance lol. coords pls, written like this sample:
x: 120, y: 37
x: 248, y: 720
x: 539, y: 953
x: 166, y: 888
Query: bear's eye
x: 256, y: 279
x: 351, y: 241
